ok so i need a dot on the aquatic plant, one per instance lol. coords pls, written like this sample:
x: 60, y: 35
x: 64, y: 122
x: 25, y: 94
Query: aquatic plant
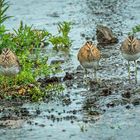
x: 61, y: 41
x: 5, y: 39
x: 25, y: 37
x: 135, y: 30
x: 3, y: 8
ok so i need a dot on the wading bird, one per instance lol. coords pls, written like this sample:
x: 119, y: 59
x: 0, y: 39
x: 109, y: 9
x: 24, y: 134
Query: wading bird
x: 9, y: 64
x: 130, y: 50
x: 89, y: 57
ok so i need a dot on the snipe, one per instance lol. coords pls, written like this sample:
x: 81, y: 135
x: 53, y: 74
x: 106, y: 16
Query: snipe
x: 9, y: 64
x: 130, y: 50
x: 89, y: 57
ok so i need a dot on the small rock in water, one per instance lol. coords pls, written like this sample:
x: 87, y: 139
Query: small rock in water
x: 68, y: 76
x: 106, y: 92
x: 126, y: 94
x: 54, y: 14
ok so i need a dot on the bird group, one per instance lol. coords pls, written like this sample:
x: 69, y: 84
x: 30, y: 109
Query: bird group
x: 89, y: 55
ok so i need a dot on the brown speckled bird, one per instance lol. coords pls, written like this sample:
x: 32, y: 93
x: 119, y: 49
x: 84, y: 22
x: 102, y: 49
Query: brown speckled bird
x: 9, y: 63
x: 130, y: 50
x: 89, y: 57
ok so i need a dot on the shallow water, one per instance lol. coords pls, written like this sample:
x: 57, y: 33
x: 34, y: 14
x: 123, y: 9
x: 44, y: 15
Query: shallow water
x: 57, y: 121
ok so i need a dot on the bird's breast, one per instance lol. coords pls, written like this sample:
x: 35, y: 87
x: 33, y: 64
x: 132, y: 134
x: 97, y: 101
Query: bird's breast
x: 90, y: 65
x: 9, y: 71
x: 131, y: 57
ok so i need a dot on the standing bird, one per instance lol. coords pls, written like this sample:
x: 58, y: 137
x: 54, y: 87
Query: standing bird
x: 9, y: 64
x: 130, y: 50
x: 89, y: 57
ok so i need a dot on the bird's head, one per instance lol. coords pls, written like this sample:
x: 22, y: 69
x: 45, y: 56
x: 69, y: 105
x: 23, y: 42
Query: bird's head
x: 131, y: 41
x: 5, y: 51
x: 89, y: 46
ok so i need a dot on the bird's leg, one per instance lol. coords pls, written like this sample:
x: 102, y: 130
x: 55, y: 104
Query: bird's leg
x: 129, y: 71
x: 5, y: 83
x: 135, y: 71
x: 98, y: 80
x: 95, y: 74
x: 86, y: 75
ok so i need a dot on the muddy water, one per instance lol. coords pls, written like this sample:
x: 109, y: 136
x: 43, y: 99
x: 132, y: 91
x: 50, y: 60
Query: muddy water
x: 84, y: 111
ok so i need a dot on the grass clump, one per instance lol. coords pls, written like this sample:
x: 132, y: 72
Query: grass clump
x: 3, y: 8
x: 28, y: 44
x: 27, y: 38
x: 61, y: 41
x: 135, y: 30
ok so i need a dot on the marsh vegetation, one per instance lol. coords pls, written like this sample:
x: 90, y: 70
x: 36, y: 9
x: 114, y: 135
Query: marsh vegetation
x: 28, y: 44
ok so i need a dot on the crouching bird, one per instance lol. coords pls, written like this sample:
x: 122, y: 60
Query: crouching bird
x: 9, y: 64
x: 89, y: 57
x: 130, y: 50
